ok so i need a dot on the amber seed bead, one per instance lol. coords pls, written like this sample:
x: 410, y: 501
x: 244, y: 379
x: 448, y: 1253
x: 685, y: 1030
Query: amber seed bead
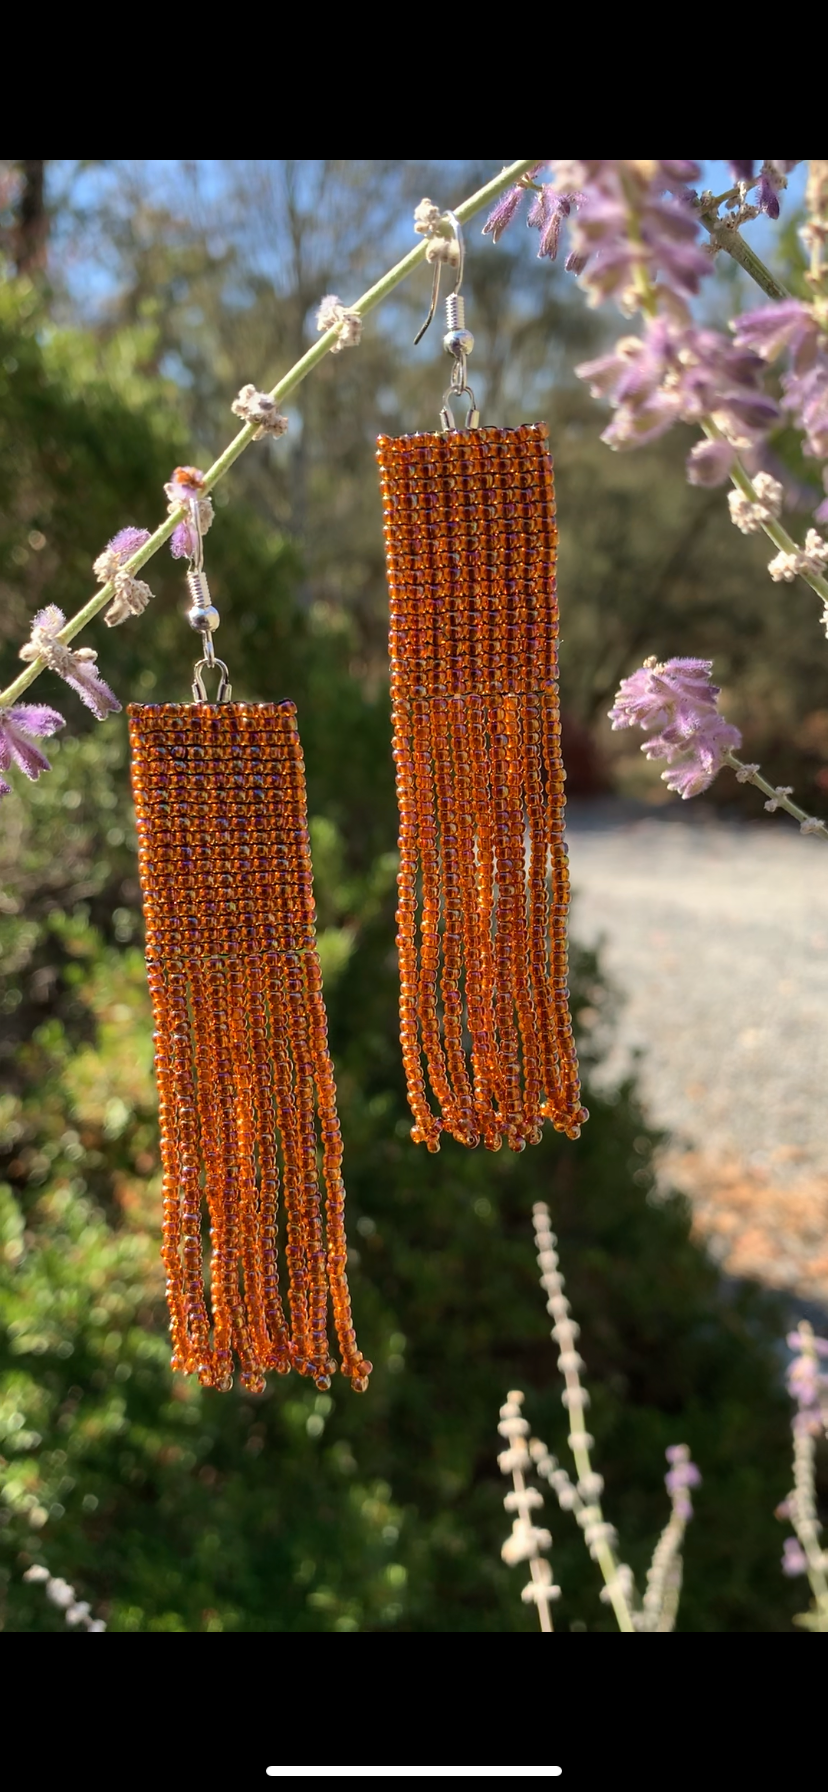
x: 471, y: 546
x: 246, y: 1085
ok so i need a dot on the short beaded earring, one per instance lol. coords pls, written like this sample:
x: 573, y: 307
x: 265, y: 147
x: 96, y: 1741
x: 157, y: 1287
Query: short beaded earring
x: 483, y: 881
x: 245, y: 1081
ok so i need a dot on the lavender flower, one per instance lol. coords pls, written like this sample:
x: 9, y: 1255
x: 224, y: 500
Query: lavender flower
x: 772, y: 181
x: 17, y: 727
x: 807, y: 1386
x: 117, y: 551
x: 501, y: 215
x: 628, y: 223
x: 794, y: 1559
x: 680, y: 699
x: 546, y: 214
x: 678, y: 372
x: 76, y: 667
x: 678, y: 692
x: 709, y: 463
x: 742, y: 171
x: 769, y: 329
x: 131, y: 595
x: 806, y: 397
x: 680, y: 1477
x: 186, y: 484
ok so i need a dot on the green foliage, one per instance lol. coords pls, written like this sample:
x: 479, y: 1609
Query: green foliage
x: 174, y: 1509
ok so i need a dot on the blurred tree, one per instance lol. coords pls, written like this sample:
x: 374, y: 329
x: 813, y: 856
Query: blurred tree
x: 216, y: 270
x: 31, y: 233
x: 171, y: 1509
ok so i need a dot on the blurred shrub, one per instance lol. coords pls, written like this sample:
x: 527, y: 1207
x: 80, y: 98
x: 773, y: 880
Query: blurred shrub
x: 171, y: 1509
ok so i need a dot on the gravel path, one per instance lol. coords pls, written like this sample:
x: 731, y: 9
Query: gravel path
x: 716, y: 936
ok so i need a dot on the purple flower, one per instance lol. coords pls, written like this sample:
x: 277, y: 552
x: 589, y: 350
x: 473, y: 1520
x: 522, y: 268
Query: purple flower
x: 709, y: 463
x: 695, y: 761
x: 741, y: 170
x: 806, y: 1385
x: 680, y: 172
x: 127, y: 542
x: 186, y: 485
x: 806, y: 397
x: 626, y: 220
x: 77, y: 668
x: 678, y: 698
x: 796, y: 1341
x: 678, y: 691
x: 17, y: 727
x: 183, y: 542
x: 794, y: 1559
x: 546, y: 214
x: 772, y: 180
x: 501, y: 215
x: 680, y: 1477
x: 768, y: 330
x: 677, y: 372
x: 118, y: 551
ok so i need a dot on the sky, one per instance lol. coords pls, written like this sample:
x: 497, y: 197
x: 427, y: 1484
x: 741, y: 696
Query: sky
x: 92, y: 276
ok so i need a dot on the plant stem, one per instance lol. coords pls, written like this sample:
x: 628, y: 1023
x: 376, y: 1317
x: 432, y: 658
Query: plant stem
x: 576, y: 1404
x: 282, y: 390
x: 725, y: 235
x: 804, y: 1510
x: 774, y: 530
x: 747, y: 775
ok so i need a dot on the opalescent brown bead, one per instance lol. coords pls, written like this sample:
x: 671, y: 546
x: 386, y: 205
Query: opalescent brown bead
x: 471, y: 546
x: 246, y: 1085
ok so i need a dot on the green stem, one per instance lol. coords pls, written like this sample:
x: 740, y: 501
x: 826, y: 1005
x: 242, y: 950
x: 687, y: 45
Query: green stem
x: 726, y: 236
x: 282, y: 390
x: 774, y: 530
x: 749, y: 776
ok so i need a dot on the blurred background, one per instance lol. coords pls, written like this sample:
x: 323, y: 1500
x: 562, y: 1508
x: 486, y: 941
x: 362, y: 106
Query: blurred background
x: 138, y: 297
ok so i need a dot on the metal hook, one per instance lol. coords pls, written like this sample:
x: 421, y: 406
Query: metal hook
x: 204, y: 617
x: 225, y: 689
x: 435, y: 288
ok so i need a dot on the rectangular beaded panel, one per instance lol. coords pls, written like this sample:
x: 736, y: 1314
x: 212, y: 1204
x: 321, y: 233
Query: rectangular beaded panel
x: 471, y: 546
x: 245, y: 1080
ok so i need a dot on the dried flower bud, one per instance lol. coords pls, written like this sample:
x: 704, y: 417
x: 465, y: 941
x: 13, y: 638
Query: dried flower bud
x: 426, y: 216
x: 259, y: 408
x: 77, y: 667
x: 332, y: 314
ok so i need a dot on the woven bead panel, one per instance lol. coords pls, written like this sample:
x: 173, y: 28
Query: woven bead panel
x: 471, y: 547
x: 245, y: 1082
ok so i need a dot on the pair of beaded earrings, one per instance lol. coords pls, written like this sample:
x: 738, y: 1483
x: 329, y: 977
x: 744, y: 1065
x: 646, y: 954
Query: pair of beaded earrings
x: 245, y: 1081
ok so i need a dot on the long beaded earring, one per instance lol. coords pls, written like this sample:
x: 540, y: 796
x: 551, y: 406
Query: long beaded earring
x: 483, y: 881
x: 245, y: 1080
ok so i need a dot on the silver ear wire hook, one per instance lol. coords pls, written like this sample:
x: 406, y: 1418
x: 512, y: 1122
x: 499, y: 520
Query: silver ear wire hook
x: 435, y: 287
x: 458, y: 341
x: 204, y: 617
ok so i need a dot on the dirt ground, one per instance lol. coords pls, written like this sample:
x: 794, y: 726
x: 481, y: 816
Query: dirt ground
x: 715, y: 936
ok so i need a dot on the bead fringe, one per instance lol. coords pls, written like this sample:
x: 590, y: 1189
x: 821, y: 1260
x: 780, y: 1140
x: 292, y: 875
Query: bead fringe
x: 471, y: 547
x: 245, y: 1080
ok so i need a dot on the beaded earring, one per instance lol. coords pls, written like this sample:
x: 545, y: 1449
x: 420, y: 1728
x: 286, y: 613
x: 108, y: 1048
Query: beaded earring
x: 245, y: 1080
x: 483, y: 881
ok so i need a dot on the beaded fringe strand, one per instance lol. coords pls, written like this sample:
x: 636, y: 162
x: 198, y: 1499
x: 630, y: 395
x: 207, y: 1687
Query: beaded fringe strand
x: 483, y: 882
x: 241, y: 1053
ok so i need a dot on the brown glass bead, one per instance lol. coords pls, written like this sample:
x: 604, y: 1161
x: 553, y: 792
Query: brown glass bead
x: 471, y: 547
x: 245, y: 1082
